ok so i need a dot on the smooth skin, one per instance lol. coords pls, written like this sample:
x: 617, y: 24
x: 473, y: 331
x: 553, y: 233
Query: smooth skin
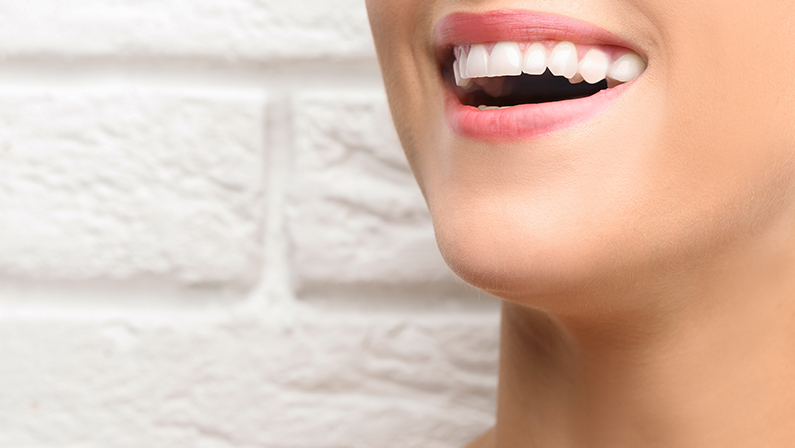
x: 646, y: 258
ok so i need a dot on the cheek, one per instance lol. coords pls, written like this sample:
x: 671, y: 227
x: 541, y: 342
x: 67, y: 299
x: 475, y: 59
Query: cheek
x: 729, y: 115
x: 726, y: 69
x: 402, y: 31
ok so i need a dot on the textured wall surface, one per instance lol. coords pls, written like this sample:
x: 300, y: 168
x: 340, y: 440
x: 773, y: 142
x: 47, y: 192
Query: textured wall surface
x: 209, y: 237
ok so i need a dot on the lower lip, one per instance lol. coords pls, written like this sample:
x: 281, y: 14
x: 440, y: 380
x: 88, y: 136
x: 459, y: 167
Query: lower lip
x: 526, y: 121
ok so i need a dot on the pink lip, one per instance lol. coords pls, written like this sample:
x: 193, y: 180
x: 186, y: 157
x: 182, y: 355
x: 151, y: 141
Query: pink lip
x: 530, y: 120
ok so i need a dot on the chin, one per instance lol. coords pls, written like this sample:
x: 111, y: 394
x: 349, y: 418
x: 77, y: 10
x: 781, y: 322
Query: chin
x: 533, y: 260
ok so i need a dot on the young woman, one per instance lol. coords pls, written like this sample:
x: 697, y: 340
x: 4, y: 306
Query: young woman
x: 621, y: 173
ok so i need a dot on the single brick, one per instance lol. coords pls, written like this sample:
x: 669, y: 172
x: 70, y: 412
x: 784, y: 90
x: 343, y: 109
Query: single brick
x: 123, y: 183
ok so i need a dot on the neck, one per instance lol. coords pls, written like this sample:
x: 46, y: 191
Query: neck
x: 715, y: 368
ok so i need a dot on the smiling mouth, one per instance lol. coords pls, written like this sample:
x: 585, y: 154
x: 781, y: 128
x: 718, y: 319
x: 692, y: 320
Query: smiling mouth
x: 518, y: 74
x: 507, y: 74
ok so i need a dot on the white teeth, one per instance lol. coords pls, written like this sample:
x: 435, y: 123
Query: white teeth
x: 627, y: 68
x: 563, y: 60
x: 459, y: 81
x: 505, y: 60
x: 476, y: 67
x: 594, y: 66
x: 478, y: 62
x: 535, y: 59
x: 462, y: 64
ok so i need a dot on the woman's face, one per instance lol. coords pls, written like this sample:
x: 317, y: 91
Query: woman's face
x: 658, y: 174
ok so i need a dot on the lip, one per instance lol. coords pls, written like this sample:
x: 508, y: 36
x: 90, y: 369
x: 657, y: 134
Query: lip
x: 528, y: 120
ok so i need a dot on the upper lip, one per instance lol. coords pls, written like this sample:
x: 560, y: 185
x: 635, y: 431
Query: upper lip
x: 518, y: 26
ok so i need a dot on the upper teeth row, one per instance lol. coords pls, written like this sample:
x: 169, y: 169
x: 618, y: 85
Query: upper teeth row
x: 507, y: 59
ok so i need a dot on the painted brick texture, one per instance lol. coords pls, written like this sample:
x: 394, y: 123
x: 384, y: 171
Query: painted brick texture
x: 125, y: 183
x: 220, y: 258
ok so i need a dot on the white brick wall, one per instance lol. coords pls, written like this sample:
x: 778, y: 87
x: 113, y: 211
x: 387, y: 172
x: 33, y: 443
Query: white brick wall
x: 118, y: 183
x: 209, y: 237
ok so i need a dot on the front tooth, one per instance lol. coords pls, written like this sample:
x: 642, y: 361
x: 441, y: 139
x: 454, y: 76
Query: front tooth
x: 563, y: 60
x: 594, y: 66
x: 505, y: 60
x: 627, y: 68
x: 535, y: 59
x: 478, y: 62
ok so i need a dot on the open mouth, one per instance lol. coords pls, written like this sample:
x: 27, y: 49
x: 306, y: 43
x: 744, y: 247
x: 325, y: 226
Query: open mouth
x: 521, y: 74
x: 509, y: 74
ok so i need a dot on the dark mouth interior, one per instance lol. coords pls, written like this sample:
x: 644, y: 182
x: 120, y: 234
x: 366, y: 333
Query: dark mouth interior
x: 525, y: 89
